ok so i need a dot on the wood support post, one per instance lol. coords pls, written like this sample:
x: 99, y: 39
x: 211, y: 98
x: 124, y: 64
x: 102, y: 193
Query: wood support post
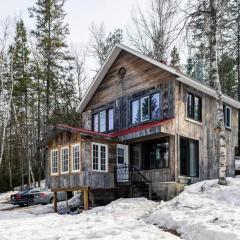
x: 85, y: 196
x: 55, y: 201
x: 66, y: 198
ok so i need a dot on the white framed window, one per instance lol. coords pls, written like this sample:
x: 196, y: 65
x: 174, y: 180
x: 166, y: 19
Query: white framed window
x: 227, y: 114
x: 76, y: 158
x: 54, y: 162
x: 99, y: 157
x: 64, y: 160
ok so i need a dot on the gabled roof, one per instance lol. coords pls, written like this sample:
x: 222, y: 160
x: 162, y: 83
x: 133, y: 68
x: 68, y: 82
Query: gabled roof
x: 179, y: 75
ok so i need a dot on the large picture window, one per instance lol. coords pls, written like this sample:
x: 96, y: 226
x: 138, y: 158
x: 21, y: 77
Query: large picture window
x: 145, y: 108
x: 99, y: 157
x: 64, y: 160
x: 194, y: 107
x: 54, y: 161
x: 189, y: 157
x: 227, y: 114
x: 76, y: 158
x: 103, y: 121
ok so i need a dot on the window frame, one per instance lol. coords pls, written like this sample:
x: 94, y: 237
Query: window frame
x: 99, y: 157
x: 55, y: 173
x: 150, y: 117
x: 188, y: 115
x: 188, y: 140
x: 141, y: 108
x: 61, y: 163
x: 106, y: 110
x: 225, y: 108
x: 72, y: 157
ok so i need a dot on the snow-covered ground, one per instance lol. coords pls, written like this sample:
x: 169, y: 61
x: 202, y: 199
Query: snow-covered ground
x: 204, y: 210
x: 122, y: 219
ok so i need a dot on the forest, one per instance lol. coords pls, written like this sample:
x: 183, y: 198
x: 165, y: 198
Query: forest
x: 43, y: 77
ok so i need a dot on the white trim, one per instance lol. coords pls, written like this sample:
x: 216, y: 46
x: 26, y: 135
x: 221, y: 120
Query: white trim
x: 180, y: 77
x: 99, y: 157
x: 54, y: 174
x: 80, y: 165
x: 63, y: 172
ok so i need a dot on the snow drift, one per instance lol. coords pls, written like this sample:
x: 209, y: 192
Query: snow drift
x: 204, y: 210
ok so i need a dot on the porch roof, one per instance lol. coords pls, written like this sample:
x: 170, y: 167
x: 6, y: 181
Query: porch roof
x: 110, y: 136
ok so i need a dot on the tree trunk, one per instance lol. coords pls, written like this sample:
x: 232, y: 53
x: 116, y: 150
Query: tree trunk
x: 214, y: 78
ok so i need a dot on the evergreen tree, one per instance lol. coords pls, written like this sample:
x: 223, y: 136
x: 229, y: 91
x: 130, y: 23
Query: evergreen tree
x: 51, y: 33
x: 175, y: 59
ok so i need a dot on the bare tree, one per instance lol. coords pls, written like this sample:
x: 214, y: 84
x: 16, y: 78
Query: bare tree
x: 152, y: 33
x: 79, y: 54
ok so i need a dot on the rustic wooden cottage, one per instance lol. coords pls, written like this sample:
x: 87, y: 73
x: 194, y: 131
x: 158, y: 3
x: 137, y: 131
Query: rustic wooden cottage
x: 145, y: 127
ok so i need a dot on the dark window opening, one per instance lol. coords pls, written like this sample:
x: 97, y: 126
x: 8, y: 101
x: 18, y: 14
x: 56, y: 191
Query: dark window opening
x: 227, y: 114
x: 194, y: 107
x: 189, y: 157
x: 151, y: 154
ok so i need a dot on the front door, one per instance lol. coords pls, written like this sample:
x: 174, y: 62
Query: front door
x: 122, y: 163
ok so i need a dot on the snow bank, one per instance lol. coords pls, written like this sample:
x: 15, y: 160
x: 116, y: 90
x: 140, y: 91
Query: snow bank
x: 204, y: 210
x: 5, y: 197
x: 116, y: 221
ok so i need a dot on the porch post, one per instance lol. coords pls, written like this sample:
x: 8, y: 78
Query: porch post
x: 55, y: 201
x: 66, y: 198
x: 85, y: 196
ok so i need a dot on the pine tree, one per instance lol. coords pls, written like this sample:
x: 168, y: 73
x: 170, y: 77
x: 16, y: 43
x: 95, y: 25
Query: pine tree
x: 51, y: 33
x: 175, y: 59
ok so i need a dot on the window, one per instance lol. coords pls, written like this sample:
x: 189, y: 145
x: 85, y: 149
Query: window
x: 156, y: 154
x: 194, y: 107
x: 145, y: 108
x: 64, y: 160
x: 110, y: 119
x: 103, y: 121
x: 227, y: 114
x: 99, y: 157
x: 120, y: 156
x: 76, y: 158
x: 95, y: 122
x: 54, y: 161
x: 189, y: 157
x: 102, y: 116
x: 135, y: 112
x: 155, y: 106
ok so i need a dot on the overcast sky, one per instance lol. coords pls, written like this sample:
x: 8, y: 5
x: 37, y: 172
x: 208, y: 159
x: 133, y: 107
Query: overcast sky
x: 80, y: 14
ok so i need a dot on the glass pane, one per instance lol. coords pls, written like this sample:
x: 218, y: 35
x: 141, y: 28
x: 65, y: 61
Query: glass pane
x: 103, y: 158
x: 54, y: 162
x: 120, y: 156
x: 155, y: 105
x: 95, y: 157
x: 228, y: 117
x: 193, y: 159
x: 197, y: 108
x: 76, y: 158
x: 110, y: 119
x: 95, y: 122
x: 65, y: 160
x: 144, y: 109
x: 102, y: 121
x: 135, y: 112
x: 190, y: 112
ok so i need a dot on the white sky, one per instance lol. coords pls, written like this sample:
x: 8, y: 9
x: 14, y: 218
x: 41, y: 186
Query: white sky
x: 80, y: 14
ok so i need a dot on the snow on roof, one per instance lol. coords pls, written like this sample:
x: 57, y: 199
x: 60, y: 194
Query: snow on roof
x: 180, y: 77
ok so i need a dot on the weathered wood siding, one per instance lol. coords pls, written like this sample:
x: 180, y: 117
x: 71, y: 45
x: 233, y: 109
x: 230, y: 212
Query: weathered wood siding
x: 204, y: 132
x: 86, y: 177
x: 141, y: 78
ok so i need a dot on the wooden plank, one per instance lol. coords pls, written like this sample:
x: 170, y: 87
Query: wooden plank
x: 85, y: 197
x: 55, y: 201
